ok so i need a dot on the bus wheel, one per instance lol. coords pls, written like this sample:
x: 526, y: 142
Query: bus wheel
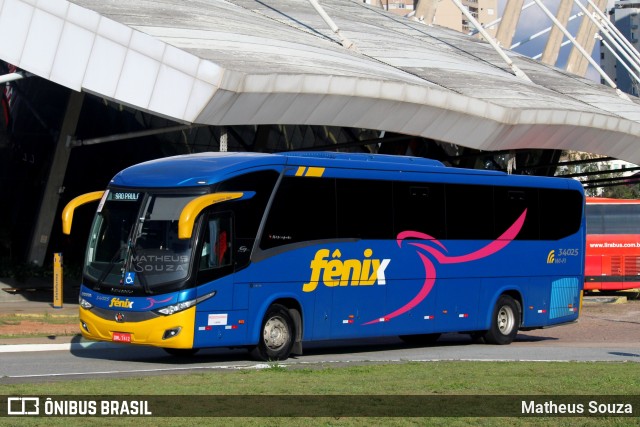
x: 181, y: 352
x: 276, y: 337
x: 420, y: 339
x: 505, y: 321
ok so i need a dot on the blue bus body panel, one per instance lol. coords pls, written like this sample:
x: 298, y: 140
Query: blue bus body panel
x: 136, y: 304
x: 356, y: 288
x: 401, y: 290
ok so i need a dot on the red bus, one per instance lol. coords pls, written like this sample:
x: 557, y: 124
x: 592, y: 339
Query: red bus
x: 613, y: 244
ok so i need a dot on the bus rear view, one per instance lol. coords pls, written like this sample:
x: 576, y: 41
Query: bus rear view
x: 267, y: 251
x: 613, y: 244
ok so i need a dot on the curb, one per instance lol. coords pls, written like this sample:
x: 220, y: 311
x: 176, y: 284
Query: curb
x: 70, y: 346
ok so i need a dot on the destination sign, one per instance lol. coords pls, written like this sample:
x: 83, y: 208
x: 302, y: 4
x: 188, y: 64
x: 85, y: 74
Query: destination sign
x: 124, y: 196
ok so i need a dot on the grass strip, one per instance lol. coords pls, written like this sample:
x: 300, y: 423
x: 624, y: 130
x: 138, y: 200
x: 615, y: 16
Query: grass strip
x: 542, y: 379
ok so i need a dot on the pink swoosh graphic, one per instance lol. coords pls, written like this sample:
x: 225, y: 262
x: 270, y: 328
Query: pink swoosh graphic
x: 426, y: 288
x: 429, y: 267
x: 153, y: 301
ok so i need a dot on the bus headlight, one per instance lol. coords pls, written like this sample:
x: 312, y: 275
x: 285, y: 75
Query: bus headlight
x: 175, y: 308
x: 84, y: 303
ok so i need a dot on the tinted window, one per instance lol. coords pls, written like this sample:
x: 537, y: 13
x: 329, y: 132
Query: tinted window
x: 303, y: 209
x: 469, y: 210
x: 419, y: 207
x: 560, y: 213
x: 216, y: 251
x: 364, y: 209
x: 510, y: 204
x: 249, y: 213
x: 308, y: 209
x: 613, y: 219
x: 595, y: 219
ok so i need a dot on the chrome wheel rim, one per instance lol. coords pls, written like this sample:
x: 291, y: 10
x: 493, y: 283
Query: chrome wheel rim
x: 276, y: 333
x: 506, y: 320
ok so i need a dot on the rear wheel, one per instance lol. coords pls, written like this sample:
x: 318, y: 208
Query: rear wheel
x: 276, y: 335
x: 505, y: 322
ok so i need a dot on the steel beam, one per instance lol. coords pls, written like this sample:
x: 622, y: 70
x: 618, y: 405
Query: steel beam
x: 552, y: 48
x: 509, y: 22
x: 50, y: 199
x: 577, y: 63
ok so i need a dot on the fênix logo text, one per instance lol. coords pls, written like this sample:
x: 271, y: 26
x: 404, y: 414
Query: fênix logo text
x: 349, y: 272
x: 117, y: 302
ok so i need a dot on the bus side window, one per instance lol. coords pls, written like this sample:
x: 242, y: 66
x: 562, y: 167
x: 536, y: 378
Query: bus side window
x: 215, y: 249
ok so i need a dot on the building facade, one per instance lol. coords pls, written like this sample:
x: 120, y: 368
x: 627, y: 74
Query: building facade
x: 625, y: 17
x: 447, y: 13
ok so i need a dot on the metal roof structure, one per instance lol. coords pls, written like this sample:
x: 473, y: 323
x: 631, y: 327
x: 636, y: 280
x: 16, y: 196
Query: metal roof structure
x: 233, y: 62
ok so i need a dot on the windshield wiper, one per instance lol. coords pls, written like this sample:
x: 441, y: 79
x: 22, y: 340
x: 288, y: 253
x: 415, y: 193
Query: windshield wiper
x: 105, y: 273
x: 140, y: 274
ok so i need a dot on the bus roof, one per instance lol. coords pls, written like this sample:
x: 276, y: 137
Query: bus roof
x: 192, y: 170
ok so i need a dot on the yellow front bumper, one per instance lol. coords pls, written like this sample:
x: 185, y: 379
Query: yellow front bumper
x: 147, y: 332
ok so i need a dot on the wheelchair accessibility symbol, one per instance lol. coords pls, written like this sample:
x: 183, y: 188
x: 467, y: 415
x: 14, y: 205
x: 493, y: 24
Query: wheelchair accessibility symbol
x: 129, y: 278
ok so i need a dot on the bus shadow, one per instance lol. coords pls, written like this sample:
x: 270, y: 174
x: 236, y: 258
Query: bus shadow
x: 372, y: 345
x: 84, y: 349
x: 533, y: 338
x: 623, y: 354
x: 136, y: 353
x: 153, y: 355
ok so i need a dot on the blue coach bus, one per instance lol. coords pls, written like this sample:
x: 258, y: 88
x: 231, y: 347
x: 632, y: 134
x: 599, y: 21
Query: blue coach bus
x: 267, y: 251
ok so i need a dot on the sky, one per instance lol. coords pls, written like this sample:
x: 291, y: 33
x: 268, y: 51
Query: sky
x: 533, y: 20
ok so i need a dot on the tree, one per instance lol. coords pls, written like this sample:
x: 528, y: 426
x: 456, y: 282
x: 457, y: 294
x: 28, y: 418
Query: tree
x: 598, y: 175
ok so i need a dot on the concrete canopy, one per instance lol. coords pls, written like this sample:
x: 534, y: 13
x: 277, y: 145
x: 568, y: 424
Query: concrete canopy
x: 238, y: 62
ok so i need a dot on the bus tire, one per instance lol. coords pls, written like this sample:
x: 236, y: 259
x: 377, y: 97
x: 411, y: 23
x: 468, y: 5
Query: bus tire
x: 420, y: 339
x: 504, y: 323
x: 276, y: 335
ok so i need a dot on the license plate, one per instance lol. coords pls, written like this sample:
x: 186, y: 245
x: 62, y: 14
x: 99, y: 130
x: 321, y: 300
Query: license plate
x: 121, y: 337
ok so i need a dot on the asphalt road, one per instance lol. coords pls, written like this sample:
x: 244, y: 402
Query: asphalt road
x: 605, y: 332
x: 94, y: 360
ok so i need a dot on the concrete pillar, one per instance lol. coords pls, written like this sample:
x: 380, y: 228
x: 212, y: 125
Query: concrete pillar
x: 426, y: 11
x: 577, y: 63
x: 552, y: 48
x: 49, y: 203
x: 509, y: 22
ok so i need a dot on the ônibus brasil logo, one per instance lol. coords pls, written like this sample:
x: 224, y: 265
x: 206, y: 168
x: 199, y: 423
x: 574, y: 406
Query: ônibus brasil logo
x: 354, y: 272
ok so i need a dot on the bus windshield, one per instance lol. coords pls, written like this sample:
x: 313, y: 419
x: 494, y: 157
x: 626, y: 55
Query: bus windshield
x: 134, y: 241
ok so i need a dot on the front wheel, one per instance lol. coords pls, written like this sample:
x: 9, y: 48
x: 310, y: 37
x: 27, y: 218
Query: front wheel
x: 276, y: 337
x: 504, y: 323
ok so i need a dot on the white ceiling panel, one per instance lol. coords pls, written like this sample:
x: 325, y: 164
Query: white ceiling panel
x: 139, y: 74
x: 42, y: 41
x: 15, y: 22
x: 104, y: 68
x: 223, y: 62
x: 171, y: 92
x: 56, y: 8
x: 72, y: 56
